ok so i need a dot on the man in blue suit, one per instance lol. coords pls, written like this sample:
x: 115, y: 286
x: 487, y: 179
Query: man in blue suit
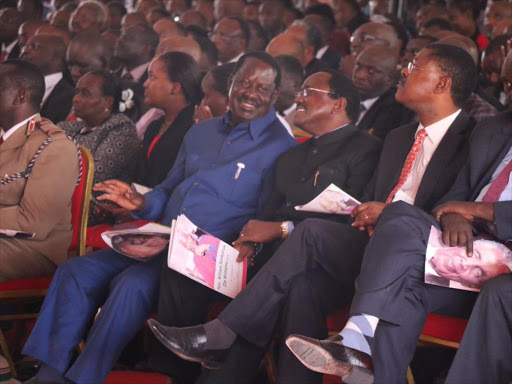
x: 205, y: 183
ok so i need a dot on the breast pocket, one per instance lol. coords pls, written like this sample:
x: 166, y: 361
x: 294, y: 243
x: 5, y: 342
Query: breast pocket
x: 246, y: 187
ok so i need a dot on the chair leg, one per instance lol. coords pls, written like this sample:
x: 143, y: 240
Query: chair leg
x: 7, y: 354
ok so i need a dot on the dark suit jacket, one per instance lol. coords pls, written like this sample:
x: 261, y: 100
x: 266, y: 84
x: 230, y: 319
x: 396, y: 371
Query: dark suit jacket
x: 152, y: 171
x: 58, y: 104
x: 490, y: 143
x: 441, y: 172
x: 385, y: 115
x: 331, y: 58
x: 15, y: 52
x: 345, y: 157
x: 119, y: 71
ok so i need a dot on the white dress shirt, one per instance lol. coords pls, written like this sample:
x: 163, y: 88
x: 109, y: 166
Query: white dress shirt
x: 283, y: 120
x: 8, y: 48
x: 367, y: 105
x: 136, y: 73
x: 13, y: 129
x: 435, y: 133
x: 50, y: 82
x: 321, y: 52
x: 233, y: 60
x: 506, y: 195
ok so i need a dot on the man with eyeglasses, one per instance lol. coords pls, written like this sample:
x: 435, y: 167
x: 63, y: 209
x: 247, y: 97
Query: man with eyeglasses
x: 230, y: 36
x: 314, y: 270
x: 368, y: 35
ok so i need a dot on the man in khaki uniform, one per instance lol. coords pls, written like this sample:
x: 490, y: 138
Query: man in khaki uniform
x: 40, y: 202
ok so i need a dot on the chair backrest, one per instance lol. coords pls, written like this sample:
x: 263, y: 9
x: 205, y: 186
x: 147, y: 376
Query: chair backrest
x: 80, y: 202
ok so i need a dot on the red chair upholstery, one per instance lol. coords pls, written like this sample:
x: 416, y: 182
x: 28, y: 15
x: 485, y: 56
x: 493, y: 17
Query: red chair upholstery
x: 25, y: 290
x: 443, y: 330
x: 131, y: 377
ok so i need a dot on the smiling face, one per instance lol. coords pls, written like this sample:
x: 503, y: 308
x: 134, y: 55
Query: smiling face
x: 486, y: 263
x: 313, y: 109
x: 252, y: 91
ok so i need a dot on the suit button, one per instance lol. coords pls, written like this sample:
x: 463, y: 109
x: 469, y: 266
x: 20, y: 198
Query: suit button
x: 288, y: 204
x: 315, y: 151
x: 303, y: 179
x: 228, y: 142
x: 184, y: 209
x: 196, y: 184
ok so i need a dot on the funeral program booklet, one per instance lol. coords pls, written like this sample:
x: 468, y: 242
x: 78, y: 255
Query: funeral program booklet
x: 332, y: 200
x: 451, y: 267
x: 204, y: 258
x: 139, y: 243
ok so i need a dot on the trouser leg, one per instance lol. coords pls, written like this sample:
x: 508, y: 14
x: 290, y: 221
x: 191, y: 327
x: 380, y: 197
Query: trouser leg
x: 254, y: 312
x: 391, y: 287
x: 131, y: 300
x: 485, y: 352
x: 78, y: 288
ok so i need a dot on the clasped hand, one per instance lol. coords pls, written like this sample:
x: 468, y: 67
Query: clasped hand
x: 366, y: 214
x: 255, y: 231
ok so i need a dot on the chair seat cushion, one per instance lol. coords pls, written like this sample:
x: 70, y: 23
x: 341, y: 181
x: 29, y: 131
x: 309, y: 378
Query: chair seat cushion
x: 443, y: 327
x: 26, y: 284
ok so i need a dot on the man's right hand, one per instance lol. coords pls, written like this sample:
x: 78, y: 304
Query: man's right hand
x: 247, y: 251
x: 120, y: 193
x: 457, y: 232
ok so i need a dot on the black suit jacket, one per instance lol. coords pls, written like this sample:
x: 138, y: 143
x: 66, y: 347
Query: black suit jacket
x: 345, y: 157
x: 15, y: 52
x: 490, y: 143
x: 59, y: 102
x: 385, y: 115
x: 119, y: 71
x: 152, y: 171
x: 441, y: 172
x: 331, y: 58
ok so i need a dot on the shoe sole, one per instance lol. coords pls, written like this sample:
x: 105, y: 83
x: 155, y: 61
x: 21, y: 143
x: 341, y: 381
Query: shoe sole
x: 319, y: 360
x: 163, y: 340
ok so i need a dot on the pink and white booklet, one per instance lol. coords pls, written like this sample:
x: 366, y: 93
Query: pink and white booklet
x: 204, y: 258
x: 332, y: 200
x: 451, y: 267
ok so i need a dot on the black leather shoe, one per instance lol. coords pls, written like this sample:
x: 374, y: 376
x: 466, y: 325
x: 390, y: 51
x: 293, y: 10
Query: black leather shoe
x: 188, y: 343
x: 332, y: 357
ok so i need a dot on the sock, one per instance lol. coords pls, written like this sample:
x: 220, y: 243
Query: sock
x: 218, y: 336
x: 48, y: 374
x: 359, y: 331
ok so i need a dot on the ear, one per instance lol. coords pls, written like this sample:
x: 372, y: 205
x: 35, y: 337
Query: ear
x: 22, y: 97
x: 339, y: 106
x: 443, y: 85
x: 275, y: 96
x: 175, y: 88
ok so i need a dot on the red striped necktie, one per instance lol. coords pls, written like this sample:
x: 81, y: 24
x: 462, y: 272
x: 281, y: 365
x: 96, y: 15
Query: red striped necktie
x: 498, y: 186
x: 409, y: 162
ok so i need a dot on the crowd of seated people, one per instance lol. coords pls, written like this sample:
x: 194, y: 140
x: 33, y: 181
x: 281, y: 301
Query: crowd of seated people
x: 409, y: 115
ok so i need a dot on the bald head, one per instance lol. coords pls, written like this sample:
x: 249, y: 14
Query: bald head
x: 47, y: 52
x: 287, y: 44
x: 180, y: 44
x: 165, y: 28
x: 55, y: 31
x: 374, y: 34
x: 463, y: 42
x: 27, y: 30
x: 375, y: 71
x: 192, y: 17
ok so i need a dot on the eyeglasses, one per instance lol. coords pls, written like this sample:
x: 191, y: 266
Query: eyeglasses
x: 364, y: 37
x: 225, y: 36
x: 308, y: 91
x: 411, y: 67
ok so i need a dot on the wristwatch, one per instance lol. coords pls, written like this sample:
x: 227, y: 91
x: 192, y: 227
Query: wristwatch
x: 284, y: 230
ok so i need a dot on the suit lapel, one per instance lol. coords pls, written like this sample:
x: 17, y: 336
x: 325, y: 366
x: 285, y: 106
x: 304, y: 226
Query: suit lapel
x: 447, y: 149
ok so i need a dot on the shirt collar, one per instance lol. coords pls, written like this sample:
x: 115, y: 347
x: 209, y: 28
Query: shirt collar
x: 321, y: 52
x: 369, y: 102
x: 334, y: 130
x: 289, y: 110
x: 14, y: 128
x: 437, y: 130
x: 256, y: 127
x: 53, y: 79
x: 137, y: 72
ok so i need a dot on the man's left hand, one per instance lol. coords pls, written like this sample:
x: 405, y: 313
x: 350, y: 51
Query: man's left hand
x: 365, y: 215
x: 257, y: 231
